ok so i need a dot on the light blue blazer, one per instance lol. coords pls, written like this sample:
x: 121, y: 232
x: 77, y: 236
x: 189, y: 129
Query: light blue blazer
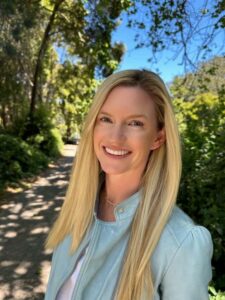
x: 181, y: 263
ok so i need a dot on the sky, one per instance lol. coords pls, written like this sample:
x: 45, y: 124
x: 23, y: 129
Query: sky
x: 168, y: 65
x: 138, y: 58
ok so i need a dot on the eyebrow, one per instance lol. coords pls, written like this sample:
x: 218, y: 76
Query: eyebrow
x: 129, y: 117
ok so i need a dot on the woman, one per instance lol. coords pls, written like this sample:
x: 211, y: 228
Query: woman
x: 119, y: 234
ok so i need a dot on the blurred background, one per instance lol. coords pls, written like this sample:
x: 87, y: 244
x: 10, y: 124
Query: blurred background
x: 53, y: 56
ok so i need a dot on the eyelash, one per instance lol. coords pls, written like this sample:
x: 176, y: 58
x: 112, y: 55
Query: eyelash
x: 105, y: 119
x: 137, y: 123
x: 108, y: 120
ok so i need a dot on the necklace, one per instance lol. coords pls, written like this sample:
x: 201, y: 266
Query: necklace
x: 107, y: 199
x: 110, y: 202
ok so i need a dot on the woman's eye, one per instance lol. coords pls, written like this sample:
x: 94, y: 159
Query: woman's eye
x: 105, y: 120
x: 136, y: 123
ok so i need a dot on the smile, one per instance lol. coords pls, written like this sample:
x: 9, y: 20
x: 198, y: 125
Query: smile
x: 116, y: 152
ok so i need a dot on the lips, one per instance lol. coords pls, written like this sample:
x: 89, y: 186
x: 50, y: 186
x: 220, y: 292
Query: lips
x: 116, y: 153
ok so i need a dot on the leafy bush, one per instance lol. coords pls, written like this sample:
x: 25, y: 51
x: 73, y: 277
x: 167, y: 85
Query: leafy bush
x: 214, y: 295
x: 40, y: 133
x: 18, y: 159
x: 202, y: 189
x: 17, y: 126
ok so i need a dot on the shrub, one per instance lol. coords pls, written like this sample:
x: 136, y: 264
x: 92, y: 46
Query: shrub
x: 40, y: 133
x: 214, y: 295
x: 202, y: 188
x: 18, y: 159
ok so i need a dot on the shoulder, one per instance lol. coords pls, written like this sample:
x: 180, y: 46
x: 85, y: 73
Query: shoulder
x: 180, y: 241
x: 180, y: 227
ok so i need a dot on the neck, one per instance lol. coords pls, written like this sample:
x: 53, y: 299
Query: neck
x: 119, y: 188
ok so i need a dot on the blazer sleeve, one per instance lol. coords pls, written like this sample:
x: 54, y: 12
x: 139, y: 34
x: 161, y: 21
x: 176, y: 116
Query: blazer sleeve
x: 189, y: 271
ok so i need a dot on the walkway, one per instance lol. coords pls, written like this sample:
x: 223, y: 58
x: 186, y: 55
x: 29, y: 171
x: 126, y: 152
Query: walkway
x: 25, y: 219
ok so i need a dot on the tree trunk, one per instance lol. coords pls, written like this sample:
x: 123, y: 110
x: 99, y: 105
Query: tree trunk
x: 40, y: 57
x: 4, y: 116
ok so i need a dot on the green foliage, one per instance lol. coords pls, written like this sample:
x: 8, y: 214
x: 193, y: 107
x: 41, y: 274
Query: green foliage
x: 19, y: 37
x: 214, y: 295
x: 18, y: 159
x: 202, y: 192
x: 167, y: 24
x: 41, y: 133
x: 209, y: 77
x: 75, y: 92
x: 43, y: 95
x: 33, y: 74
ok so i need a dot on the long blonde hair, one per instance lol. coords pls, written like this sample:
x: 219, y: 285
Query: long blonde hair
x: 160, y: 185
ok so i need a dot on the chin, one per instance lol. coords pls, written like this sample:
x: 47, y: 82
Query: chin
x: 113, y: 171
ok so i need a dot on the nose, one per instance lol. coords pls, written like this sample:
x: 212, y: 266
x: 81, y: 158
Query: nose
x: 117, y: 133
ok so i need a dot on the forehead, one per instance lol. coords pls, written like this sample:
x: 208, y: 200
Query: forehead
x: 130, y: 100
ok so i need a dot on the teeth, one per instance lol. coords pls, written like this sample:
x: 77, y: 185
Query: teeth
x: 116, y: 152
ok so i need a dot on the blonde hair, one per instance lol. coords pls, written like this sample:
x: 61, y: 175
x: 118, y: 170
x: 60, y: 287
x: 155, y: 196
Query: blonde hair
x: 160, y: 185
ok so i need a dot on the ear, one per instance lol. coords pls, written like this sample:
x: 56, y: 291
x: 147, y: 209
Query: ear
x: 160, y: 139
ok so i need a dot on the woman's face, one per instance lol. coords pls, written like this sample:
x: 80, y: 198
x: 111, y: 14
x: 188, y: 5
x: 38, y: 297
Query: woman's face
x: 126, y: 131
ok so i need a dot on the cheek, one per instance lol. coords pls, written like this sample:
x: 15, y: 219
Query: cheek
x: 98, y: 136
x: 144, y: 149
x: 143, y: 141
x: 95, y: 138
x: 100, y: 132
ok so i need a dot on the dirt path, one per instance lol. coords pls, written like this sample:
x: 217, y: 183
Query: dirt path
x: 25, y: 219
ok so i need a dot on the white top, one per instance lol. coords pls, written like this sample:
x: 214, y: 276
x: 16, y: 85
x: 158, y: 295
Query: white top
x: 66, y: 291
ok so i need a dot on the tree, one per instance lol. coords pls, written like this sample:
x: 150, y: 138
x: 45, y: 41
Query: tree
x: 76, y: 27
x: 18, y: 24
x: 41, y: 53
x: 81, y: 27
x: 74, y: 93
x: 191, y: 30
x: 201, y: 118
x: 209, y: 77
